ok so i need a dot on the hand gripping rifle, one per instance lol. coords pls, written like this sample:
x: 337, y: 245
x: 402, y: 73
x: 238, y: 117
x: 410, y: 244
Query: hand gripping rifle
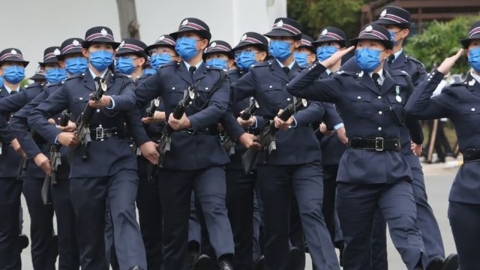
x: 55, y: 161
x: 267, y: 135
x: 165, y: 139
x: 83, y: 121
x: 150, y: 111
x: 228, y: 143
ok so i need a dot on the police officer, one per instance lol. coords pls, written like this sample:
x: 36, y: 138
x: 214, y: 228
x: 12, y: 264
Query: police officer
x: 187, y: 166
x: 295, y: 166
x: 107, y: 167
x: 39, y: 76
x: 219, y: 54
x: 372, y: 170
x: 305, y: 53
x: 12, y: 69
x: 459, y: 102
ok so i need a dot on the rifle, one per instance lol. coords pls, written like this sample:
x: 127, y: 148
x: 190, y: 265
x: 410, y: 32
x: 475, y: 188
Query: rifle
x: 165, y: 139
x: 83, y: 121
x: 150, y: 111
x: 267, y: 135
x: 55, y: 161
x: 228, y: 143
x: 22, y: 167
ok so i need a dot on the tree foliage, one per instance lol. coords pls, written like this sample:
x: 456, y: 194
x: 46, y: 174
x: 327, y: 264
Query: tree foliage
x: 441, y: 40
x: 317, y: 14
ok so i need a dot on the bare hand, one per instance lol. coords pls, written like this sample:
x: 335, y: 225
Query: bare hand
x: 179, y: 124
x: 43, y: 163
x: 337, y: 56
x: 416, y: 148
x: 71, y: 126
x: 282, y: 125
x: 51, y: 121
x: 149, y: 151
x: 246, y: 124
x: 342, y: 135
x: 17, y: 147
x: 68, y: 139
x: 449, y: 62
x: 105, y: 101
x: 157, y: 118
x: 249, y: 141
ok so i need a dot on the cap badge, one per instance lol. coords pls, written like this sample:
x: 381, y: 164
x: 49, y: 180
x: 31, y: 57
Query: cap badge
x: 56, y: 52
x: 214, y: 44
x: 161, y: 38
x: 244, y: 37
x: 185, y: 22
x: 75, y: 42
x: 472, y: 82
x: 369, y: 28
x: 13, y: 52
x: 280, y: 23
x: 384, y: 13
x: 324, y: 32
x: 104, y: 32
x: 122, y: 44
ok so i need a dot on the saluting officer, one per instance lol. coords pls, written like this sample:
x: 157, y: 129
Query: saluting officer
x: 460, y: 102
x: 72, y: 59
x: 12, y: 69
x: 294, y: 168
x: 107, y: 167
x: 373, y: 170
x: 196, y: 157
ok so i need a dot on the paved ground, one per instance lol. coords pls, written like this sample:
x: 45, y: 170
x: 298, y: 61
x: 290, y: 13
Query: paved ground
x: 439, y: 178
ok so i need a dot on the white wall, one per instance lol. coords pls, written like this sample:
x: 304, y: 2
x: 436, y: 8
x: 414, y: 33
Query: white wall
x: 33, y: 25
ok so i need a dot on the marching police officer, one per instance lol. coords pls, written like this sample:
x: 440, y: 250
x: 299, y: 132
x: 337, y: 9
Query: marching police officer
x: 38, y: 77
x: 185, y: 165
x: 12, y: 69
x: 103, y: 167
x: 305, y: 53
x: 219, y: 54
x: 294, y: 167
x: 459, y: 102
x: 372, y: 171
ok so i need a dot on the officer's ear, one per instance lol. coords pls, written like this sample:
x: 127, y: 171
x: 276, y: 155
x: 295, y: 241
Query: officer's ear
x: 85, y: 53
x: 404, y: 33
x: 296, y: 44
x: 61, y: 63
x: 142, y: 61
x: 262, y: 55
x: 203, y: 44
x: 387, y: 54
x: 230, y: 63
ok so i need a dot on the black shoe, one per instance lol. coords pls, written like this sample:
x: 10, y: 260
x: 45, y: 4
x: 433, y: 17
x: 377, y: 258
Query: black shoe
x: 225, y: 265
x: 203, y: 262
x: 451, y: 262
x: 435, y: 264
x: 259, y: 265
x: 22, y: 242
x: 297, y: 259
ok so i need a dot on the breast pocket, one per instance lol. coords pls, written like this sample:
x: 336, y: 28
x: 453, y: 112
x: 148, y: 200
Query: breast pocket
x: 274, y: 94
x: 175, y: 93
x: 361, y: 103
x: 471, y: 114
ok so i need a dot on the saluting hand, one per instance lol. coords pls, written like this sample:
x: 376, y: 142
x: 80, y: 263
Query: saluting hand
x: 179, y: 124
x: 332, y: 60
x: 449, y: 62
x: 68, y: 139
x: 105, y: 101
x: 43, y: 163
x: 149, y: 151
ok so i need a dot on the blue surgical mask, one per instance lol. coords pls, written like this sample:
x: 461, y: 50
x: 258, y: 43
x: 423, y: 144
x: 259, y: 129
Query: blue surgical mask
x: 149, y: 71
x: 301, y: 59
x: 245, y: 60
x: 186, y: 47
x: 280, y: 49
x: 324, y: 52
x: 392, y: 37
x: 217, y: 62
x: 1, y: 81
x: 14, y: 74
x: 53, y: 75
x: 125, y: 65
x: 76, y: 65
x: 474, y: 59
x: 367, y: 59
x: 101, y: 60
x: 160, y: 59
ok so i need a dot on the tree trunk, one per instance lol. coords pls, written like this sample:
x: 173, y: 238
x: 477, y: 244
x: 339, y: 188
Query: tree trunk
x: 127, y: 14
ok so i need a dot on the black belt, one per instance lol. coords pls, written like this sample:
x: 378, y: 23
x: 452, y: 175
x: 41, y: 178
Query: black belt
x: 471, y: 155
x: 101, y: 133
x: 378, y: 144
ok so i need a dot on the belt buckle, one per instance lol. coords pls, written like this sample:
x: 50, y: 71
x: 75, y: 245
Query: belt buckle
x: 379, y: 144
x: 99, y: 133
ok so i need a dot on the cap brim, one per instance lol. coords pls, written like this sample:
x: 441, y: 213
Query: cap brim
x: 15, y: 60
x: 229, y: 53
x: 86, y: 44
x: 263, y: 47
x: 466, y: 42
x: 72, y: 51
x: 281, y: 33
x: 123, y: 51
x: 202, y: 33
x: 163, y: 44
x: 37, y: 77
x: 388, y: 44
x: 53, y: 60
x: 343, y: 43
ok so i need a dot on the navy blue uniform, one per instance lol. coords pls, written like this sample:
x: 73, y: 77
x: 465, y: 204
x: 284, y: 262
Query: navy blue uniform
x: 10, y: 188
x: 294, y: 168
x: 459, y: 102
x: 369, y: 178
x: 110, y: 170
x: 187, y: 166
x: 60, y: 194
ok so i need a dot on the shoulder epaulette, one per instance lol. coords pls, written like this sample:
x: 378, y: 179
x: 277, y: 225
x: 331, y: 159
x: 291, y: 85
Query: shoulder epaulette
x: 415, y: 60
x: 342, y: 72
x: 75, y: 76
x: 120, y: 75
x: 264, y: 64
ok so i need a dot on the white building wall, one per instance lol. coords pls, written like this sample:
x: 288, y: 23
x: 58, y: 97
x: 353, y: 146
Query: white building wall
x: 33, y: 25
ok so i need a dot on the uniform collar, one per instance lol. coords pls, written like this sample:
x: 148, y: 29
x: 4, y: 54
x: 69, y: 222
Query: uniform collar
x: 10, y: 90
x: 475, y: 76
x: 94, y: 75
x: 289, y: 66
x: 381, y: 78
x: 188, y: 65
x: 397, y: 54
